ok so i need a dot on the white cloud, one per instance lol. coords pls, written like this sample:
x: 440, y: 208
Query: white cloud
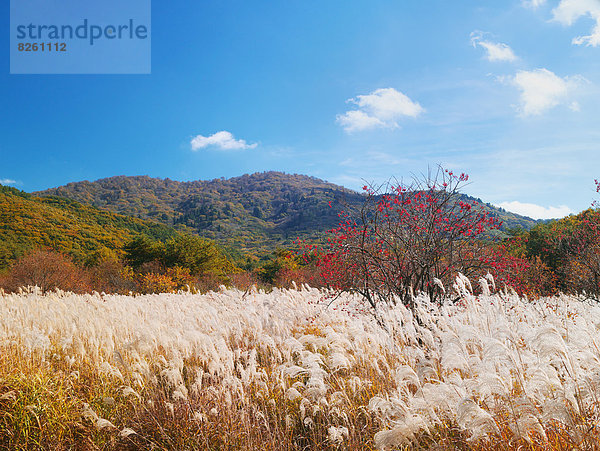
x: 569, y: 11
x: 380, y: 109
x: 222, y: 140
x: 536, y: 211
x: 356, y: 120
x: 8, y: 182
x: 494, y: 51
x: 542, y: 89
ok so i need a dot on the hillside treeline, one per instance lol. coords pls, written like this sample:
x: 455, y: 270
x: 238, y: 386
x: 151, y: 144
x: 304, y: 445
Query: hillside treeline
x: 558, y: 256
x: 253, y: 213
x: 85, y: 233
x: 562, y: 255
x: 55, y: 242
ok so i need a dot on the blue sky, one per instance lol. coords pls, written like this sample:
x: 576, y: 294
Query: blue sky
x: 347, y: 91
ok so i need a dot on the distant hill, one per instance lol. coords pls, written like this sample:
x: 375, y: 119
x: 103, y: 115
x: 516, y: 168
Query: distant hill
x: 254, y: 213
x: 249, y: 213
x: 82, y: 231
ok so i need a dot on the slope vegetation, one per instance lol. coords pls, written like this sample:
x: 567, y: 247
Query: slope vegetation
x: 82, y: 231
x: 250, y: 213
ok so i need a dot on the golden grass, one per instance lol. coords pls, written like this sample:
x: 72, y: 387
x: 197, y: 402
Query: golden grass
x: 281, y: 371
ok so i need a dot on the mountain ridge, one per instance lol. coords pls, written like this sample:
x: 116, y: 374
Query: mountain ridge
x: 251, y: 212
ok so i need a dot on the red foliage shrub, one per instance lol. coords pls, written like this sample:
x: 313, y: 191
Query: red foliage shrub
x: 583, y: 249
x: 47, y: 270
x: 156, y: 283
x: 286, y: 276
x: 112, y: 276
x: 405, y: 237
x: 208, y: 282
x: 529, y: 276
x: 243, y: 280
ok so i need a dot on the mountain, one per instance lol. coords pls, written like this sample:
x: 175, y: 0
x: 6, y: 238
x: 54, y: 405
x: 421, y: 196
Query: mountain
x: 82, y: 231
x: 252, y: 213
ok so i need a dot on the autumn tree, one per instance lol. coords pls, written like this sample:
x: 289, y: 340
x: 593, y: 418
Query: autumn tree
x: 47, y: 270
x: 583, y: 248
x: 193, y: 253
x: 197, y: 254
x: 141, y: 249
x: 408, y: 238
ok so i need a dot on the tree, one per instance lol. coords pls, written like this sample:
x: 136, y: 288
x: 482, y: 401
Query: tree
x: 199, y: 255
x: 284, y: 261
x: 570, y: 247
x: 140, y: 250
x: 583, y: 248
x: 47, y: 270
x: 408, y: 238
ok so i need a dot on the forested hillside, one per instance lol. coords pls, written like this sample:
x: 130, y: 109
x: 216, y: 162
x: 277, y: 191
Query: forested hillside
x: 254, y: 213
x: 81, y: 231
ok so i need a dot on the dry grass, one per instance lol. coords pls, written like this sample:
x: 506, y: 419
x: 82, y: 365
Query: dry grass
x: 288, y: 370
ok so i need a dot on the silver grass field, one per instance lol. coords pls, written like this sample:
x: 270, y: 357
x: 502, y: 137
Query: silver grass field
x: 298, y: 369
